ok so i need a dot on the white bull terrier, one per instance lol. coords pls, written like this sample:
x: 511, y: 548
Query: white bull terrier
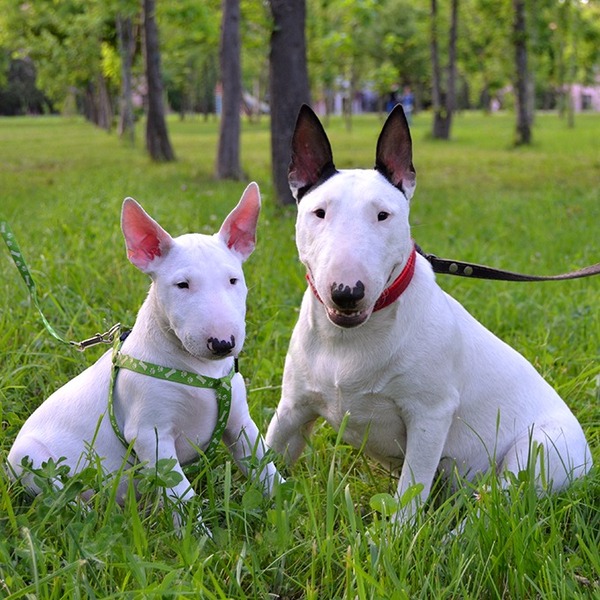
x: 193, y: 321
x: 420, y: 382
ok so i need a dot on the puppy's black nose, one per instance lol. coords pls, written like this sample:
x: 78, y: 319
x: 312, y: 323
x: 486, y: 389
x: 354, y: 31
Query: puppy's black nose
x: 221, y: 347
x: 346, y: 297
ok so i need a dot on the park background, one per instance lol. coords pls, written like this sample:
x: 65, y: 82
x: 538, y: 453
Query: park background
x: 485, y: 193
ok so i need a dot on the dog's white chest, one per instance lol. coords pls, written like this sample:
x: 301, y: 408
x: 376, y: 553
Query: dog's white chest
x: 188, y: 414
x: 363, y: 401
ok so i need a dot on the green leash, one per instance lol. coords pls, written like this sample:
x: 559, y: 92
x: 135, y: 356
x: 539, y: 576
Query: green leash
x: 113, y: 336
x: 19, y: 260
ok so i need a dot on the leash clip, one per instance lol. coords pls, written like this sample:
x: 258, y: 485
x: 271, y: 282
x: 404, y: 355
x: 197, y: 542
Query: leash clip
x: 108, y: 337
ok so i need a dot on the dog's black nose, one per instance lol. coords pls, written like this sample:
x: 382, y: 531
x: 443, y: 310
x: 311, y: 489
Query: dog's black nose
x: 221, y: 347
x: 346, y: 297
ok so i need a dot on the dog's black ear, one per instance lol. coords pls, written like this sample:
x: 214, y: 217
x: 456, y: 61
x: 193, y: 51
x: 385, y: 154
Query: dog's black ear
x: 394, y: 153
x: 312, y: 160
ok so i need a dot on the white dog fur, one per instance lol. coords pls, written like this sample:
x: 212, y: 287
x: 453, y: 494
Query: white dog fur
x: 197, y: 296
x: 427, y: 386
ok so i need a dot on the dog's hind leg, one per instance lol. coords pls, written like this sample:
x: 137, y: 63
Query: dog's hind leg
x: 555, y: 455
x: 29, y: 451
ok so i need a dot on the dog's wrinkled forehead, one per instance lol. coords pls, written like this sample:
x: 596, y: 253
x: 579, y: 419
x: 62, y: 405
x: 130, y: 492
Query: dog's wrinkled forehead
x: 353, y: 187
x: 203, y: 251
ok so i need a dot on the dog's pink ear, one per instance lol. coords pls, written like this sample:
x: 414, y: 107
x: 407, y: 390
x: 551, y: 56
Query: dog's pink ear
x: 394, y: 153
x: 144, y: 237
x: 239, y: 228
x: 312, y: 160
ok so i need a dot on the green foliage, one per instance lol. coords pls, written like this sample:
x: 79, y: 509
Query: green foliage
x: 63, y: 38
x: 189, y: 36
x: 351, y: 44
x: 327, y: 532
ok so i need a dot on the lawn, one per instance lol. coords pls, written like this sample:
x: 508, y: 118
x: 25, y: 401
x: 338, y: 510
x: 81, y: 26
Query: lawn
x: 325, y: 534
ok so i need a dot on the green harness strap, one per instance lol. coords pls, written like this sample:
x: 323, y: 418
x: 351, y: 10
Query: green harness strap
x: 221, y: 386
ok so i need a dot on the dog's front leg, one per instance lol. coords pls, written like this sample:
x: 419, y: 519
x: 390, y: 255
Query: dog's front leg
x: 426, y: 433
x: 151, y: 447
x: 245, y: 442
x: 249, y: 450
x: 289, y: 429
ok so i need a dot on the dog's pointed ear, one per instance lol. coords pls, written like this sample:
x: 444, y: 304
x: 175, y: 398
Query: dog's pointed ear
x: 144, y: 237
x: 394, y: 153
x: 312, y: 160
x: 239, y: 228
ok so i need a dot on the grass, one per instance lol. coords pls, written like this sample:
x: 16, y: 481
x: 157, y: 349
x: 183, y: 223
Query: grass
x: 325, y: 534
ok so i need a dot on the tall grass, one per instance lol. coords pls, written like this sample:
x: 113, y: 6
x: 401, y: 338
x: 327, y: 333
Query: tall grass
x: 326, y: 533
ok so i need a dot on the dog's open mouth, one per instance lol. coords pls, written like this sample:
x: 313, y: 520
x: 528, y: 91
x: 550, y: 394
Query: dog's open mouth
x: 347, y: 318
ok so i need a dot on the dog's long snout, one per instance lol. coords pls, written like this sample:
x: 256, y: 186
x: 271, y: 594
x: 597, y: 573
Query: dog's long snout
x: 221, y: 347
x: 346, y: 297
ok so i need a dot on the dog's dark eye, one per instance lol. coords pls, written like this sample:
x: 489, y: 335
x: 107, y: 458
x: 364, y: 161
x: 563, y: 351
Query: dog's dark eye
x: 382, y: 216
x: 233, y: 280
x: 183, y: 285
x: 319, y: 213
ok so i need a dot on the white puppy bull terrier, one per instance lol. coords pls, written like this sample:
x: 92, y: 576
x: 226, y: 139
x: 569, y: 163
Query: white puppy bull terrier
x: 193, y: 322
x: 422, y: 384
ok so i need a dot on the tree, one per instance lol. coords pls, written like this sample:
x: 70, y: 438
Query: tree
x: 157, y: 136
x: 399, y: 42
x: 190, y: 53
x: 522, y: 84
x: 256, y: 28
x: 443, y: 94
x: 289, y: 87
x: 340, y: 33
x: 483, y: 49
x: 126, y: 41
x: 18, y: 92
x: 228, y: 154
x: 64, y: 40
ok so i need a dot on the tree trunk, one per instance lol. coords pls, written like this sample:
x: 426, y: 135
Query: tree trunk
x: 157, y: 136
x: 126, y: 40
x: 105, y: 109
x: 451, y: 94
x: 289, y: 87
x: 443, y: 93
x: 522, y: 88
x: 96, y: 103
x: 228, y: 155
x: 89, y: 104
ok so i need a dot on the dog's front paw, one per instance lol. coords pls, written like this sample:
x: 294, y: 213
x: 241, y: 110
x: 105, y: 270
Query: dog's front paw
x: 188, y: 519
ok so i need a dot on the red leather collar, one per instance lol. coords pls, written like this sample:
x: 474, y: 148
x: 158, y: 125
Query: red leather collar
x: 391, y: 293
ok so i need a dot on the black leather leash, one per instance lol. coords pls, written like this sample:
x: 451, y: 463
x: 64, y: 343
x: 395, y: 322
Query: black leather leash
x: 460, y: 268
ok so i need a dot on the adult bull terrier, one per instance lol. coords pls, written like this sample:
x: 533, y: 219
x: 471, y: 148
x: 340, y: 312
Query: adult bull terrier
x: 422, y: 384
x: 193, y: 321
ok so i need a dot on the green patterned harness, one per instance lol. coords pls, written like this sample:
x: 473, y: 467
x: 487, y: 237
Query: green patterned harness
x: 221, y: 386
